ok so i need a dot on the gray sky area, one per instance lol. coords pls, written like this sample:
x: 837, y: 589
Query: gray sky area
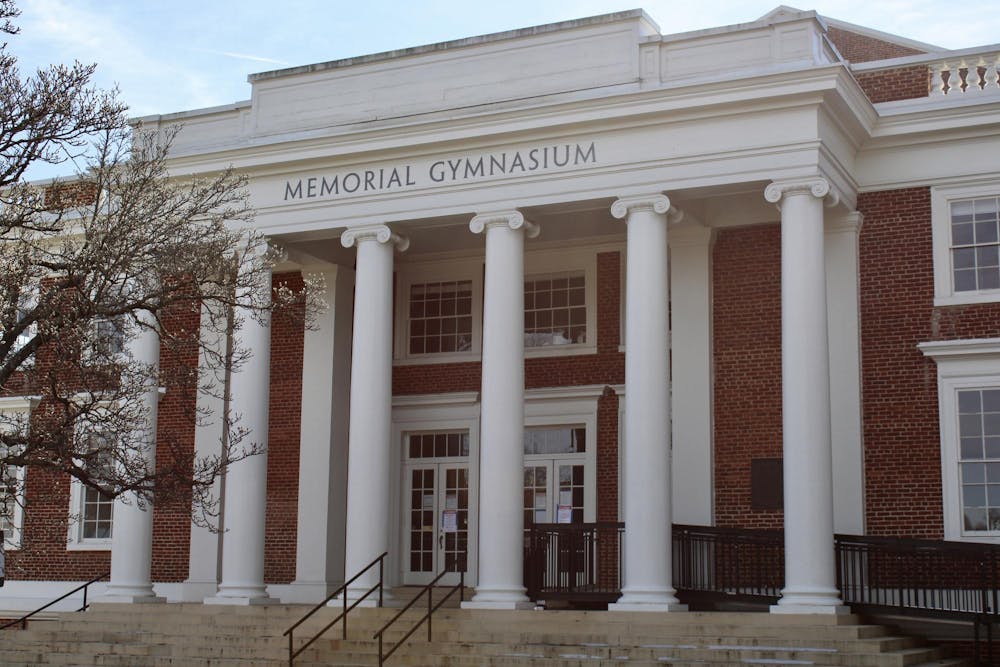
x: 187, y: 54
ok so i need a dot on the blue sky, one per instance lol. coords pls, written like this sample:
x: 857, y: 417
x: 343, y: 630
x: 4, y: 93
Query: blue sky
x: 187, y: 54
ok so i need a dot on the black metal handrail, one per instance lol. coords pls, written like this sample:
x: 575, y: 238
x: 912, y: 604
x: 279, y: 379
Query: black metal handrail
x: 574, y: 561
x: 928, y: 578
x: 431, y: 608
x: 290, y: 632
x: 23, y: 621
x: 714, y: 563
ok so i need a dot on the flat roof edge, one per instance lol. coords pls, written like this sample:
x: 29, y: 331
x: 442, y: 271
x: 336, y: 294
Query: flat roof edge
x: 613, y: 17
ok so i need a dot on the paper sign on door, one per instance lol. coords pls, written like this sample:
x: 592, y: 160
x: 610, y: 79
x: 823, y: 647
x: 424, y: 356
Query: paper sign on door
x: 564, y: 514
x: 449, y: 521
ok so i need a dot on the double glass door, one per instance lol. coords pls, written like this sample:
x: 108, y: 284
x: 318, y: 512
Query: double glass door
x: 554, y: 474
x: 553, y: 491
x: 437, y: 535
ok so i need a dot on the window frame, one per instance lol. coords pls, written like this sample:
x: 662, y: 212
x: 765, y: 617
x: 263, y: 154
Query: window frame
x: 961, y: 365
x: 536, y: 263
x: 90, y: 353
x: 17, y: 404
x: 440, y: 271
x: 77, y: 506
x: 941, y: 199
x: 543, y: 263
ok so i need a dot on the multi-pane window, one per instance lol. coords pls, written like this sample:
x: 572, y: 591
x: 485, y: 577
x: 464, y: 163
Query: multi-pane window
x: 975, y: 244
x: 435, y: 445
x: 979, y: 458
x: 557, y: 440
x: 555, y: 309
x: 440, y: 317
x: 95, y: 524
x: 95, y: 507
x: 107, y: 338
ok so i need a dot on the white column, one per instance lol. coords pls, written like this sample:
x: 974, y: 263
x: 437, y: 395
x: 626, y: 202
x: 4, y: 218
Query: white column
x: 132, y: 534
x: 841, y: 245
x: 501, y: 462
x: 691, y: 407
x: 206, y: 543
x: 322, y: 502
x: 246, y: 480
x: 647, y: 512
x: 810, y: 580
x: 370, y: 441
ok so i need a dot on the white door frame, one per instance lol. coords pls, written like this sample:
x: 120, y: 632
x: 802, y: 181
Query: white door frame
x: 430, y: 413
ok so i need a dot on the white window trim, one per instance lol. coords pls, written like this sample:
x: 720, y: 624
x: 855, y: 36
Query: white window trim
x: 570, y: 406
x: 961, y: 364
x: 439, y: 271
x: 941, y: 198
x: 17, y: 404
x: 75, y: 540
x: 536, y: 262
x: 573, y: 261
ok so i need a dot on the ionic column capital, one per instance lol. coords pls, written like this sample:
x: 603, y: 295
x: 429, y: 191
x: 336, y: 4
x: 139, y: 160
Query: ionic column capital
x: 380, y: 233
x: 513, y: 219
x: 657, y: 203
x: 817, y: 187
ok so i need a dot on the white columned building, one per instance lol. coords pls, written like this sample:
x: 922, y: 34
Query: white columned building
x: 132, y: 538
x: 501, y: 565
x: 370, y: 440
x: 810, y: 574
x: 646, y: 462
x: 242, y: 579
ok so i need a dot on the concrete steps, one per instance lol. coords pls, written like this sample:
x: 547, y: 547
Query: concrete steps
x: 193, y: 635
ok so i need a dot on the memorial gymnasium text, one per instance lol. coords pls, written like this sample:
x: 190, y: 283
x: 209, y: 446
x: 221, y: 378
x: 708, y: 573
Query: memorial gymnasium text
x: 462, y: 168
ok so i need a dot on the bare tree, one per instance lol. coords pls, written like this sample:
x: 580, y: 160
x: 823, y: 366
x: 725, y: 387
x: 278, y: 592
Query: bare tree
x: 89, y: 264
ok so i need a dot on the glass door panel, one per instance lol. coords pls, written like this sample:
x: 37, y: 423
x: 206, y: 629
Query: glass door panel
x: 438, y: 515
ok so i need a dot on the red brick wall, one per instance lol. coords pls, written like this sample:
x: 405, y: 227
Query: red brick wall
x: 859, y: 48
x: 902, y: 83
x: 287, y: 341
x: 899, y: 384
x: 746, y: 311
x: 175, y: 442
x: 44, y: 555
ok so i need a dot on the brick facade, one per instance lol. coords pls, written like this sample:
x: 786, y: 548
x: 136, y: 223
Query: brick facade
x: 746, y: 312
x: 858, y: 48
x: 902, y: 83
x: 284, y: 423
x: 901, y: 434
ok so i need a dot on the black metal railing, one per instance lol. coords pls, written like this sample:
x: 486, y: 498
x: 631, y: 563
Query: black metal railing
x: 574, y: 561
x: 581, y: 562
x: 290, y: 632
x: 23, y: 621
x: 927, y: 578
x: 712, y: 564
x: 431, y: 608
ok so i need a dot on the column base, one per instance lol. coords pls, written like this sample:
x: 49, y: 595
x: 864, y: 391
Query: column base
x: 832, y: 610
x: 810, y: 601
x: 663, y: 599
x: 125, y: 594
x: 239, y: 601
x: 507, y: 605
x: 499, y: 598
x: 241, y: 596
